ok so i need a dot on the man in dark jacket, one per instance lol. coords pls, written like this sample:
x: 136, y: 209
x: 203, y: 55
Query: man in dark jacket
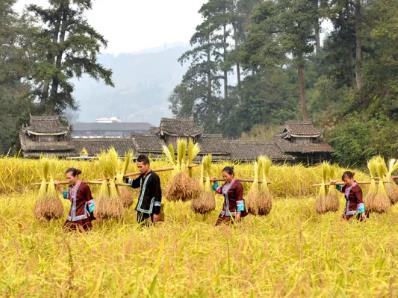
x: 150, y: 198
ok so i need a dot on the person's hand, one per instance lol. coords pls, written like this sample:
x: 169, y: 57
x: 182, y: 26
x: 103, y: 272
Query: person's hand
x: 156, y: 217
x: 213, y: 179
x: 237, y: 216
x: 58, y: 186
x: 333, y: 182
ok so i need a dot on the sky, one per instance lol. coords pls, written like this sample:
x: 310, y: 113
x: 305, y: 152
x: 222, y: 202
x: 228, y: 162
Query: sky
x: 132, y: 26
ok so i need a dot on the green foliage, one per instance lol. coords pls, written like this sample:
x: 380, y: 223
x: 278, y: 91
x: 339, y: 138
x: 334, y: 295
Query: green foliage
x: 65, y: 47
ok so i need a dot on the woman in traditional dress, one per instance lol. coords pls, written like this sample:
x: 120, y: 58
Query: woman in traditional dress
x: 82, y: 204
x: 234, y: 204
x: 353, y: 195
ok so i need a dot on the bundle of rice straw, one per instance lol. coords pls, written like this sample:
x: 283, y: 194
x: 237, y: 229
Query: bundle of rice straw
x: 377, y: 199
x: 182, y: 187
x: 332, y: 203
x: 391, y: 186
x: 49, y: 205
x: 126, y: 195
x: 321, y: 204
x: 206, y: 201
x: 259, y: 200
x: 109, y: 204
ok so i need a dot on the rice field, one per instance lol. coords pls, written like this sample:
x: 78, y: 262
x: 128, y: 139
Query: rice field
x: 293, y: 252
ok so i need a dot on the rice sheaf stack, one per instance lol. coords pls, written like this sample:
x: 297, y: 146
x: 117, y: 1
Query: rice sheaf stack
x: 391, y: 186
x: 332, y: 203
x: 321, y: 204
x: 109, y: 204
x: 126, y: 195
x: 206, y: 201
x: 259, y: 199
x: 49, y: 205
x: 377, y: 200
x: 182, y: 187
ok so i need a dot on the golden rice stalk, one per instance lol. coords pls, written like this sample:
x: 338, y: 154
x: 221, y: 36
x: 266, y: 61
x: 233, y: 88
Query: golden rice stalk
x: 264, y: 204
x: 392, y: 187
x: 106, y: 206
x: 170, y: 154
x: 321, y: 204
x: 206, y: 201
x: 253, y: 196
x: 369, y: 199
x: 50, y: 206
x: 125, y: 193
x: 182, y: 188
x: 380, y: 203
x: 332, y: 197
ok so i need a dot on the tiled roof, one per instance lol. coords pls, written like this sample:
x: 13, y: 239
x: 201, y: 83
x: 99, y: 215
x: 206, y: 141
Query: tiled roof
x: 146, y: 144
x: 289, y: 147
x: 181, y: 127
x: 300, y: 129
x: 46, y: 125
x: 96, y: 146
x: 248, y: 151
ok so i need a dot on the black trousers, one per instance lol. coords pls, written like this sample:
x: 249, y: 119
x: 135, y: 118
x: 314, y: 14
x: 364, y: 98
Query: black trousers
x: 144, y: 218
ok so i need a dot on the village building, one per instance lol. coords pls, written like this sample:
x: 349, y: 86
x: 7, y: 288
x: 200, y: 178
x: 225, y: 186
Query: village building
x: 46, y: 135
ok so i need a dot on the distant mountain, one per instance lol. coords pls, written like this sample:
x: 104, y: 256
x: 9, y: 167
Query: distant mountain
x: 143, y: 83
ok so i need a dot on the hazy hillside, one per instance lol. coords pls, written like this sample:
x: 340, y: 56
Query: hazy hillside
x: 143, y: 83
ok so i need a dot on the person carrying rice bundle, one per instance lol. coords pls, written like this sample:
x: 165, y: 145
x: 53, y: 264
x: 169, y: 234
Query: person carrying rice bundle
x: 82, y: 203
x: 353, y: 195
x: 232, y: 190
x: 150, y: 199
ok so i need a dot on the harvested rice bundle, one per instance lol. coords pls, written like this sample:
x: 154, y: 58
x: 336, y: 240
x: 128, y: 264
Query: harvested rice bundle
x: 332, y: 203
x: 369, y: 199
x: 381, y: 201
x: 391, y: 186
x: 182, y: 187
x: 253, y: 195
x: 321, y: 204
x: 126, y: 195
x: 259, y: 198
x: 264, y: 204
x: 206, y: 201
x: 377, y: 199
x: 109, y: 204
x: 49, y: 205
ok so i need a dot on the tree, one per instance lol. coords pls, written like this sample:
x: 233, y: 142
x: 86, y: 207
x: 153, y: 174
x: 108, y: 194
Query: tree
x: 65, y: 47
x: 14, y: 66
x: 198, y: 93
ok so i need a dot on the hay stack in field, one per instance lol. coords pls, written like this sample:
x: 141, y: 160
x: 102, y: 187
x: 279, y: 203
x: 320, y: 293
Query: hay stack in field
x: 109, y: 204
x: 259, y: 198
x: 126, y: 195
x: 206, y: 201
x: 182, y: 187
x: 377, y: 199
x: 391, y: 186
x: 48, y: 205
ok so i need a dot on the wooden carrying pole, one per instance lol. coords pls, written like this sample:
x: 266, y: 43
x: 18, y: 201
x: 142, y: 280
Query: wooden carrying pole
x: 97, y: 182
x: 244, y: 180
x: 342, y: 183
x: 167, y: 169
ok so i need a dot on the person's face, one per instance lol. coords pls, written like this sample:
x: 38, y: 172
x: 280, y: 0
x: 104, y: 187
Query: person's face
x: 142, y: 167
x: 348, y: 180
x: 227, y: 177
x: 71, y: 179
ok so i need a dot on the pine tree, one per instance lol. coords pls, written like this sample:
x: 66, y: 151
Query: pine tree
x: 65, y: 47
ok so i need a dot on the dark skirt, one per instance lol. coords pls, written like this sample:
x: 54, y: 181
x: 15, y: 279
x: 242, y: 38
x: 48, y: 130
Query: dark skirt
x: 225, y: 220
x: 83, y: 225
